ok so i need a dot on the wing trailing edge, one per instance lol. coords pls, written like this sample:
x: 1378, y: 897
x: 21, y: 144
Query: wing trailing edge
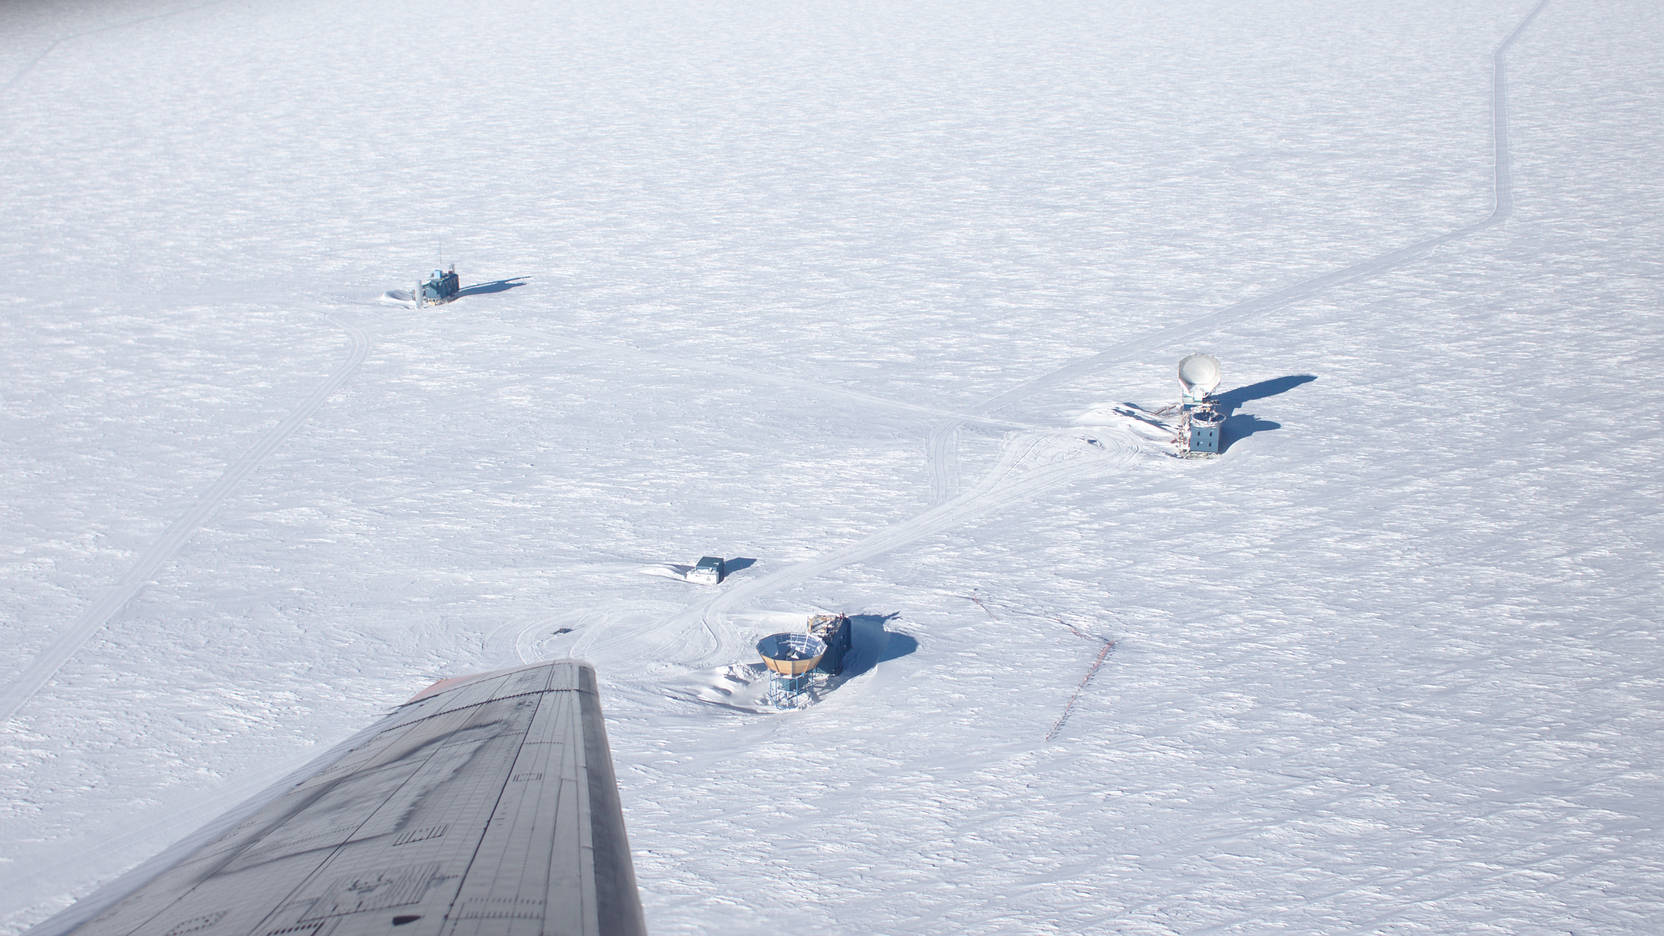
x: 485, y: 805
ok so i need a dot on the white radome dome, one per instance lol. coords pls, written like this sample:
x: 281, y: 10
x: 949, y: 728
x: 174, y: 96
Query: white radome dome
x: 1199, y: 374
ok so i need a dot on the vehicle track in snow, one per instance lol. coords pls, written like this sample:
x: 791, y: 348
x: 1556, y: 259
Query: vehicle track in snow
x: 752, y: 375
x: 944, y: 439
x: 37, y: 674
x: 53, y: 46
x: 576, y: 632
x: 952, y: 506
x: 700, y: 636
x: 1029, y: 463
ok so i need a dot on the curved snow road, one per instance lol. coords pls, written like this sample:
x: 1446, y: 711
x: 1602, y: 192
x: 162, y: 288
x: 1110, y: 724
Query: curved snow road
x: 20, y: 690
x: 1029, y: 463
x: 699, y: 637
x: 944, y: 438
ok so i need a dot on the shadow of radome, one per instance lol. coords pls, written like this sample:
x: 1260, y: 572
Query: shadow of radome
x: 1228, y: 401
x: 1240, y: 427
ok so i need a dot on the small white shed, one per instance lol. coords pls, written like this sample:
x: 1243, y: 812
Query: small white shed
x: 708, y: 571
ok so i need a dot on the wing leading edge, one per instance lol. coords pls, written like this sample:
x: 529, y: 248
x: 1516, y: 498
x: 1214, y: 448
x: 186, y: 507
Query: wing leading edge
x: 486, y: 805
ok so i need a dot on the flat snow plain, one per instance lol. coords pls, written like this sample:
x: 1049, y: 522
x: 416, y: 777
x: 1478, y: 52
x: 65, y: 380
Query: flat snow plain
x: 854, y: 291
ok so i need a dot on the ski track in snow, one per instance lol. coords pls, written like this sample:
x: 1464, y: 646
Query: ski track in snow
x: 1028, y: 465
x: 23, y: 687
x: 952, y: 507
x: 29, y: 66
x: 809, y: 387
x: 1069, y: 707
x: 706, y: 624
x: 944, y: 439
x: 924, y: 875
x: 702, y: 636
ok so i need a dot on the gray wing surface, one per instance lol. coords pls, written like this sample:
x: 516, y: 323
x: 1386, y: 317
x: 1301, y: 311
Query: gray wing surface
x: 486, y: 805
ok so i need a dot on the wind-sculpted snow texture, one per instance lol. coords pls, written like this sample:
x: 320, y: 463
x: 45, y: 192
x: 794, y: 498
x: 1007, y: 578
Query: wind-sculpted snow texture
x: 878, y: 297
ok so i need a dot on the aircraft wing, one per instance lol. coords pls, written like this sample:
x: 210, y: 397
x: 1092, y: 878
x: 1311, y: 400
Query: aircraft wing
x: 485, y: 805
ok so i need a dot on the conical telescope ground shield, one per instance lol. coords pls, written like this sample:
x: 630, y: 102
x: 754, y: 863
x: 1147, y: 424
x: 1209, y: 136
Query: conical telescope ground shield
x: 791, y: 655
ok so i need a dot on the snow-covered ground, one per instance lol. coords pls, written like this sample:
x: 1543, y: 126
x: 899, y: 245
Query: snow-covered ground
x: 856, y: 291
